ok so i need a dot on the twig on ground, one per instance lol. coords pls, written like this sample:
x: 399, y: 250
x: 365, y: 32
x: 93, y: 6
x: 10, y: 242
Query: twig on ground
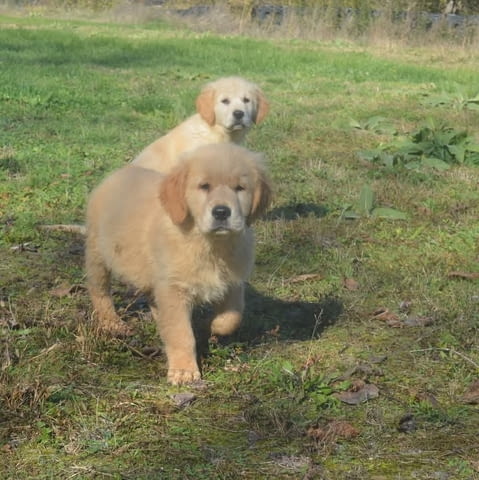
x: 74, y: 228
x: 448, y: 350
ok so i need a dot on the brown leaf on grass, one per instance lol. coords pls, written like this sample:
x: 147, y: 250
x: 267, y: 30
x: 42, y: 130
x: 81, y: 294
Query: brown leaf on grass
x: 146, y: 351
x: 67, y: 290
x: 428, y: 398
x: 312, y: 360
x: 7, y: 448
x: 304, y: 278
x: 383, y: 313
x: 393, y: 320
x: 183, y: 400
x: 465, y: 275
x: 407, y: 423
x: 350, y: 284
x: 424, y: 211
x: 360, y: 392
x: 329, y: 433
x: 235, y: 367
x: 274, y: 332
x: 472, y: 394
x: 390, y: 318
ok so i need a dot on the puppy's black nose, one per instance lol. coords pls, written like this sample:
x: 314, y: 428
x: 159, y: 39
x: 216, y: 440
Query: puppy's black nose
x: 221, y: 212
x: 238, y: 114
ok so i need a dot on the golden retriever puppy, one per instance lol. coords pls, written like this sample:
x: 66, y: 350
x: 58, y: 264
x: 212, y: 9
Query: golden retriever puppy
x: 185, y: 238
x: 226, y: 110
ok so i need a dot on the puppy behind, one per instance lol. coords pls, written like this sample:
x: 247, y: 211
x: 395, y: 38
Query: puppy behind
x: 226, y: 110
x: 184, y: 238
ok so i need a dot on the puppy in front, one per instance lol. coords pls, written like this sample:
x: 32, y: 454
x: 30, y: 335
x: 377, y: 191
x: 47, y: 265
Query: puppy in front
x: 226, y: 110
x: 184, y: 238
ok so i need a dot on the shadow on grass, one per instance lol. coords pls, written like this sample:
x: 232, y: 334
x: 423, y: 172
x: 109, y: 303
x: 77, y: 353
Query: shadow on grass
x: 264, y: 317
x: 290, y: 320
x: 267, y: 317
x: 296, y: 210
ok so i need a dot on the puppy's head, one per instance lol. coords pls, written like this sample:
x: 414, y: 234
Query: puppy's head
x: 222, y: 188
x: 232, y: 103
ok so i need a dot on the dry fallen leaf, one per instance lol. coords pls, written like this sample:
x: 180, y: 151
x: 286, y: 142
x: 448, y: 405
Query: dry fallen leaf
x: 152, y: 351
x: 304, y: 277
x: 424, y: 211
x: 428, y: 398
x: 358, y: 394
x: 393, y: 320
x: 472, y: 394
x: 387, y: 316
x: 235, y: 367
x: 7, y: 448
x: 312, y: 360
x: 350, y: 284
x: 183, y: 400
x: 329, y: 433
x: 66, y: 290
x: 465, y: 275
x: 273, y: 332
x: 407, y: 423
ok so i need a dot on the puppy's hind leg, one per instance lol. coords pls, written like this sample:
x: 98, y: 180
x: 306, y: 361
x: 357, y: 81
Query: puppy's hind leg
x: 98, y: 282
x: 229, y: 312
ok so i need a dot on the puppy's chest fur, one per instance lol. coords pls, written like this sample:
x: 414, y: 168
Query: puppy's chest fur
x: 213, y: 267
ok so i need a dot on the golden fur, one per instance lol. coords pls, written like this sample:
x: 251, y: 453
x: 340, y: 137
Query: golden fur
x: 184, y: 238
x: 226, y: 110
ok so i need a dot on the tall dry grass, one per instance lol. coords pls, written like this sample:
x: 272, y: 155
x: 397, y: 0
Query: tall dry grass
x: 392, y: 27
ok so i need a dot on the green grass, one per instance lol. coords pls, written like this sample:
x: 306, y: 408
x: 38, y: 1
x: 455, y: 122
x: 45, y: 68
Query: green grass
x: 81, y: 98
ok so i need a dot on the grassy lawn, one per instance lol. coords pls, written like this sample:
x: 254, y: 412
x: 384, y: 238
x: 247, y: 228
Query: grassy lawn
x: 366, y: 287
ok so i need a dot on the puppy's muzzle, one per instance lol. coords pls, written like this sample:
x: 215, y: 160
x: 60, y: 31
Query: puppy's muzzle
x: 221, y: 219
x: 221, y: 213
x: 238, y: 114
x: 238, y: 120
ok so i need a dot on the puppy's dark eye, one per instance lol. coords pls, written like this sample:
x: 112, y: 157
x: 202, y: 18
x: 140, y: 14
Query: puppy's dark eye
x: 246, y: 100
x: 239, y: 188
x: 204, y: 186
x: 226, y: 101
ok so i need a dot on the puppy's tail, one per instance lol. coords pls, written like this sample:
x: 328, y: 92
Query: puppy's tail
x: 74, y: 228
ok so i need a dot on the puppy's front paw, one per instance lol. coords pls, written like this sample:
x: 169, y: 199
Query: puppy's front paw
x: 180, y: 377
x: 117, y: 328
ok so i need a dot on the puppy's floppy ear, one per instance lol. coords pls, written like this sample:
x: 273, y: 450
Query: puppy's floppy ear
x: 262, y: 107
x: 205, y: 105
x: 172, y: 194
x: 262, y: 194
